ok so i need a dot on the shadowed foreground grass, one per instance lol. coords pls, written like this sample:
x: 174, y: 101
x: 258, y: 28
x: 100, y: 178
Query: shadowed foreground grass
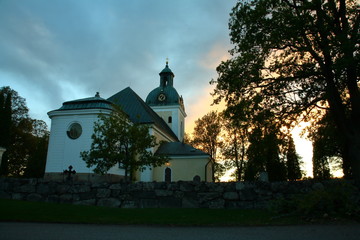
x: 13, y: 210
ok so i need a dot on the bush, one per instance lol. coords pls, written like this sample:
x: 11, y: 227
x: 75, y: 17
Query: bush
x: 334, y: 200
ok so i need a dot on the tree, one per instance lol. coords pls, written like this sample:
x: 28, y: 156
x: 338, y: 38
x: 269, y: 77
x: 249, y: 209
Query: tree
x: 321, y: 165
x: 326, y: 148
x: 118, y: 141
x: 235, y: 143
x: 292, y: 162
x: 298, y: 56
x: 206, y: 136
x: 264, y: 154
x: 38, y: 145
x: 20, y: 134
x: 5, y: 116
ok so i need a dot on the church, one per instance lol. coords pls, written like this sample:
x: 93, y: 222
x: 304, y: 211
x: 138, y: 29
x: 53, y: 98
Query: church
x: 163, y: 110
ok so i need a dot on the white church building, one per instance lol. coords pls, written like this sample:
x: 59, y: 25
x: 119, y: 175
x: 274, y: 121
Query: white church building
x: 164, y: 111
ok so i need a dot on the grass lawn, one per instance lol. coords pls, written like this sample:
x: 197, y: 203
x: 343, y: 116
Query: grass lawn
x: 13, y: 210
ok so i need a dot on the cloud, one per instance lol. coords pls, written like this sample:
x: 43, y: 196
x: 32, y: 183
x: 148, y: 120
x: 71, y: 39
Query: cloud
x: 55, y: 51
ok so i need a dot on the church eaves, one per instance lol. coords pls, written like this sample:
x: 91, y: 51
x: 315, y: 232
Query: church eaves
x: 87, y: 103
x: 179, y: 149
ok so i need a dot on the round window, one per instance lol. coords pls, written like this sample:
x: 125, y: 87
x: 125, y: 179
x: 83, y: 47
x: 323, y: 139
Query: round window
x: 74, y: 131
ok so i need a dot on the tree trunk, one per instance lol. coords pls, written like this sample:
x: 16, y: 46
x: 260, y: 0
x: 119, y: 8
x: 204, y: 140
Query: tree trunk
x: 352, y: 148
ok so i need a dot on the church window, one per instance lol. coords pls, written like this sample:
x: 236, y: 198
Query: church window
x: 170, y: 119
x: 74, y: 131
x: 167, y: 174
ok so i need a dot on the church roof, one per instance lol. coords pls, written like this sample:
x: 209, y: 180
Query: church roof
x: 167, y: 70
x: 138, y: 111
x: 179, y: 149
x: 87, y: 103
x: 171, y: 96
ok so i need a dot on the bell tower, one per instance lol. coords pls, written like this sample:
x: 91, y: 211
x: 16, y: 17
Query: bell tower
x: 167, y: 103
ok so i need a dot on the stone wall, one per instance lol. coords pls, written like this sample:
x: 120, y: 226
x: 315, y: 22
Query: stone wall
x: 242, y: 195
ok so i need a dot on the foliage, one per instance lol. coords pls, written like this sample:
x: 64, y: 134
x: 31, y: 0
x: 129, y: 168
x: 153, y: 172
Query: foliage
x: 235, y: 144
x: 35, y: 167
x: 292, y: 162
x: 25, y: 139
x: 339, y: 200
x: 327, y: 148
x: 264, y: 152
x: 206, y: 136
x: 293, y: 57
x: 118, y: 141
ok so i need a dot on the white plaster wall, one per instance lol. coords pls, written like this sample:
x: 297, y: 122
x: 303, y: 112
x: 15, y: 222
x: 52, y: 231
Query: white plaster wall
x: 64, y: 151
x: 147, y: 174
x: 178, y: 116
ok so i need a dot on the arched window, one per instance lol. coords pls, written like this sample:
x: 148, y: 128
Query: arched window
x: 170, y: 119
x: 167, y: 174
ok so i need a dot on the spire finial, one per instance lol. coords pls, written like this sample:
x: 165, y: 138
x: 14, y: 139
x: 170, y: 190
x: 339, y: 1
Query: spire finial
x: 167, y: 61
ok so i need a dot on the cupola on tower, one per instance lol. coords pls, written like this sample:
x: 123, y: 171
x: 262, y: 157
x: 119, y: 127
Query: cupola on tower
x: 167, y: 103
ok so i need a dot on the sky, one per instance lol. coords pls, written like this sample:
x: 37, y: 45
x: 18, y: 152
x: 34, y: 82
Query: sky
x: 61, y: 50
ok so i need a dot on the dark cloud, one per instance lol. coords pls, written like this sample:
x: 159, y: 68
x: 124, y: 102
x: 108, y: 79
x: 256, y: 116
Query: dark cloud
x: 54, y: 51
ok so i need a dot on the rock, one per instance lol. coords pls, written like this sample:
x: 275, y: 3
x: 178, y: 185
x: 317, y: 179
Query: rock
x: 87, y: 195
x: 4, y: 185
x: 169, y: 202
x: 62, y: 188
x: 205, y: 197
x: 318, y: 186
x: 43, y: 189
x: 186, y: 187
x: 115, y: 193
x: 66, y: 198
x: 239, y: 186
x: 217, y: 204
x: 4, y: 195
x: 148, y: 203
x: 103, y: 193
x: 189, y: 202
x: 144, y: 194
x: 279, y: 186
x: 248, y: 194
x: 128, y: 204
x: 109, y: 202
x: 53, y: 198
x: 163, y: 193
x: 34, y: 197
x: 215, y: 187
x: 27, y: 188
x: 117, y: 186
x: 88, y: 202
x: 18, y: 196
x: 79, y: 189
x: 135, y: 187
x: 148, y: 186
x: 231, y: 196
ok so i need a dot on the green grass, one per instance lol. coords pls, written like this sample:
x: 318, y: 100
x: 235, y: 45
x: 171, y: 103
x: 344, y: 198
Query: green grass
x: 13, y: 210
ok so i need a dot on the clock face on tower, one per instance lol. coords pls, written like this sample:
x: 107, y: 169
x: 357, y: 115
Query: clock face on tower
x: 161, y: 97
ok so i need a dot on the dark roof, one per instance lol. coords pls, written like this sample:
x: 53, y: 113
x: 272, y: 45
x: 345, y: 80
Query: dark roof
x: 138, y: 111
x: 87, y: 103
x: 172, y: 96
x: 167, y: 70
x: 165, y: 94
x: 179, y: 149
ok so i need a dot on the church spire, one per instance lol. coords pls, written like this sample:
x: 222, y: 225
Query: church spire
x: 166, y: 76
